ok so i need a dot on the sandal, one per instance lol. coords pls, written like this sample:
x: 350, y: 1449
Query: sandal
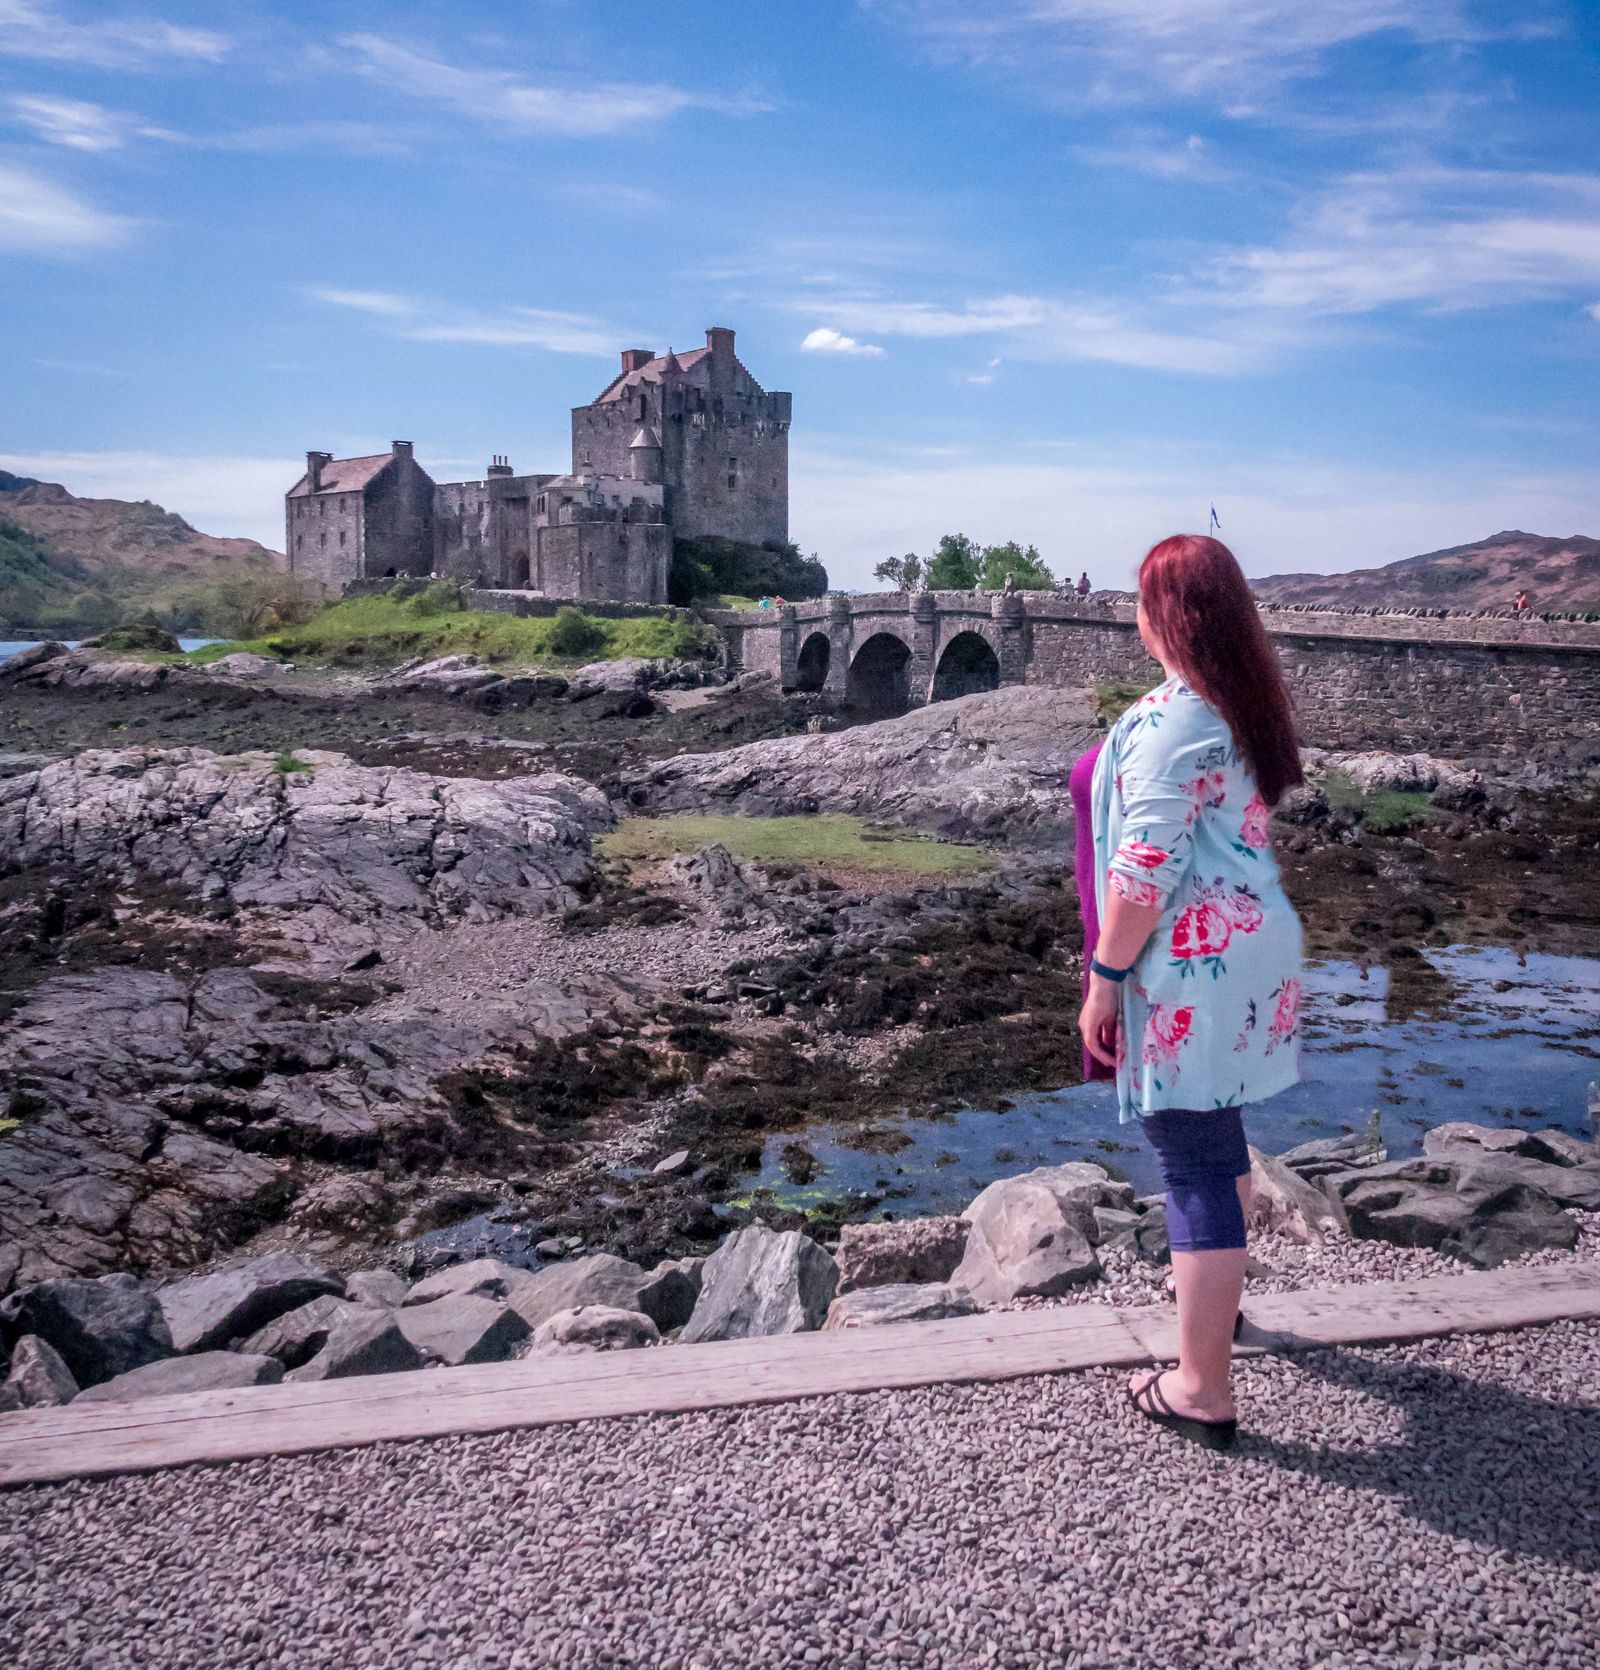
x: 1212, y: 1435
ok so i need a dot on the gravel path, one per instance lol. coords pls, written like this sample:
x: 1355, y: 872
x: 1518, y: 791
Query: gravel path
x: 1431, y: 1504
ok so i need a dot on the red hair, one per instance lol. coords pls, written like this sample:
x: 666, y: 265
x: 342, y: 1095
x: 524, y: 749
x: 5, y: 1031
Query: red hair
x: 1198, y: 603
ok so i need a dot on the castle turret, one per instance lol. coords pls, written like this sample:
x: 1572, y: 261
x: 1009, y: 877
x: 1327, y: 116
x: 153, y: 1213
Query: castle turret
x: 644, y: 455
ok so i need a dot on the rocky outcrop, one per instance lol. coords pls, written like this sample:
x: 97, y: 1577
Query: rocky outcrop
x: 462, y: 1328
x: 207, y: 1371
x: 55, y: 667
x: 480, y: 1278
x: 364, y: 1342
x: 38, y: 1378
x: 298, y: 1335
x: 868, y: 1307
x: 375, y: 1287
x: 912, y: 1251
x: 1033, y: 1235
x: 600, y: 1279
x: 99, y: 1328
x: 572, y: 1333
x: 761, y: 1282
x: 995, y: 763
x: 1282, y: 1202
x: 307, y: 846
x: 205, y: 1312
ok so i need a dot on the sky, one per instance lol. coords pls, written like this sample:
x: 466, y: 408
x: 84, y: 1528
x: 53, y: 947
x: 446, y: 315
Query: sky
x: 1061, y: 271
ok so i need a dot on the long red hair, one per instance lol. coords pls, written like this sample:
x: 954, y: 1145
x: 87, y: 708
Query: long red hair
x: 1198, y: 603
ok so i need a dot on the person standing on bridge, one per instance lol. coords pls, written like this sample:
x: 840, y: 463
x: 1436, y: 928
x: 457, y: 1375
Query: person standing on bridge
x: 1193, y: 997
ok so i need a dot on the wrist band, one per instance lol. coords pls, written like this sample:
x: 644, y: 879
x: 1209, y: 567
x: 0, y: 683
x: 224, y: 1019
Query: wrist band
x: 1115, y: 975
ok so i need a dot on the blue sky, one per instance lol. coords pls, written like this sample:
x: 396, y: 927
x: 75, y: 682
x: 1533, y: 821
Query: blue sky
x: 1058, y: 270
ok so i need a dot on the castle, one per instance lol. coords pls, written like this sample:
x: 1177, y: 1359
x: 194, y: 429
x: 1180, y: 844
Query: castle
x: 676, y: 444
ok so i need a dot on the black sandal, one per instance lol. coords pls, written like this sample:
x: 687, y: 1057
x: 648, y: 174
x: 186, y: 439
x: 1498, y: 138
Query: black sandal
x: 1238, y: 1325
x: 1212, y: 1435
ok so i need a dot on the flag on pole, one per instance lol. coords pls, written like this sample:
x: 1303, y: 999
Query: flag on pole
x: 1214, y: 522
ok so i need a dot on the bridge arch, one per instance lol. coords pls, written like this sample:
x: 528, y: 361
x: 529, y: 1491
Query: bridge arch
x: 879, y: 681
x: 967, y: 664
x: 811, y: 664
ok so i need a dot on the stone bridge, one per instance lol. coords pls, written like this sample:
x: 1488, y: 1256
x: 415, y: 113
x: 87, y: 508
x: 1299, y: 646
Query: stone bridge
x: 1396, y: 679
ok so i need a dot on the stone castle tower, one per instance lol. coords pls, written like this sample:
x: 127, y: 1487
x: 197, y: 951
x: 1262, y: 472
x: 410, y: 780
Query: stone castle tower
x: 676, y: 444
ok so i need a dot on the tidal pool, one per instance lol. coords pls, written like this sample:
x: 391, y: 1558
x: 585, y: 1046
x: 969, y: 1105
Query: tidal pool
x: 1463, y: 1032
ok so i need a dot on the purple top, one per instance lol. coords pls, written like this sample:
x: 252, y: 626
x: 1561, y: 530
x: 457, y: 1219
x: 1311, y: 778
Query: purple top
x: 1081, y: 787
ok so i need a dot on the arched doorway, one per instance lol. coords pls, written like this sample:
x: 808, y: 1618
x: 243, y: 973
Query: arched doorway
x: 811, y: 667
x: 968, y: 665
x: 879, y: 681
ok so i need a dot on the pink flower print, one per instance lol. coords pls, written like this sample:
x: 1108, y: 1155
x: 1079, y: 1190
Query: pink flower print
x: 1242, y: 909
x: 1286, y: 1017
x: 1164, y: 1034
x: 1201, y: 931
x: 1206, y: 792
x: 1135, y: 889
x: 1253, y: 828
x: 1142, y: 854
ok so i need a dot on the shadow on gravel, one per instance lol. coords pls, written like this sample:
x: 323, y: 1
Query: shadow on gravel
x: 1477, y: 1460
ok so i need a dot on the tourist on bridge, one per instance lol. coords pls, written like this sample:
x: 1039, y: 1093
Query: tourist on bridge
x: 1192, y: 994
x: 1084, y: 588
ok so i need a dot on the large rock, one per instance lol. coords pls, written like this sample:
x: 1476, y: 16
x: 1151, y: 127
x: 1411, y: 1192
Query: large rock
x: 997, y: 761
x: 671, y: 1290
x: 600, y: 1279
x: 1282, y: 1202
x: 206, y: 1371
x: 463, y: 1328
x: 298, y: 1335
x: 1324, y: 1156
x: 918, y: 1250
x: 100, y: 1328
x: 205, y: 1312
x: 762, y: 1281
x: 1548, y: 1147
x: 484, y: 1278
x: 38, y: 1379
x: 365, y: 1342
x: 1480, y: 1211
x: 1032, y: 1235
x: 572, y: 1333
x: 446, y: 675
x: 867, y: 1307
x: 375, y: 1287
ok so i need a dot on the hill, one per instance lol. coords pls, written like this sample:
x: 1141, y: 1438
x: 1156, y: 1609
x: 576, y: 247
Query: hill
x: 69, y: 566
x: 1557, y: 573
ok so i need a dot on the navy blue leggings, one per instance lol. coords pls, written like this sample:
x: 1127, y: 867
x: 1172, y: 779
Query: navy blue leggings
x: 1202, y: 1154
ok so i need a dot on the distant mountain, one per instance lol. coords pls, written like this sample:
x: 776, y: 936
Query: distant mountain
x: 71, y: 566
x: 1556, y: 573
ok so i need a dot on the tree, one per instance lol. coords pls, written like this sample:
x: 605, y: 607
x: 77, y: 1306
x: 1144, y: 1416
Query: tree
x: 708, y: 566
x: 903, y: 573
x: 1025, y: 566
x: 954, y: 565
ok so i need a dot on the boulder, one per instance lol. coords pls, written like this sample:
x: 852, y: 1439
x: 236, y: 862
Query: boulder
x: 38, y: 1378
x: 1483, y: 1139
x: 1326, y: 1155
x: 1282, y: 1202
x: 446, y: 675
x: 1471, y: 1210
x: 205, y: 1312
x: 100, y: 1328
x: 298, y: 1335
x: 205, y: 1371
x: 918, y: 1250
x: 866, y: 1307
x: 462, y: 1328
x: 599, y: 1279
x: 484, y: 1278
x: 759, y: 1282
x: 1150, y: 1239
x: 242, y: 664
x: 365, y: 1342
x: 670, y: 1292
x: 1031, y: 1235
x: 572, y: 1333
x: 1560, y: 1149
x: 375, y: 1287
x: 612, y: 678
x: 1115, y: 1226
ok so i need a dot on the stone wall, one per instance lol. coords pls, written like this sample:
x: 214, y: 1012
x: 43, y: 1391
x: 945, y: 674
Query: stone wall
x: 325, y: 537
x: 399, y: 516
x: 624, y: 560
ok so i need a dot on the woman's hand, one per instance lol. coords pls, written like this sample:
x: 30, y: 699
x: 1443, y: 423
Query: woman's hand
x: 1099, y: 1019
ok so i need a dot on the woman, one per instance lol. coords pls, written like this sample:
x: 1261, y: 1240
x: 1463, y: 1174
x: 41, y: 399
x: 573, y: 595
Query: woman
x: 1194, y: 984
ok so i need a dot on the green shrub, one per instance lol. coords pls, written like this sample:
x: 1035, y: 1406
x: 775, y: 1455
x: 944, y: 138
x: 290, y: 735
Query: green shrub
x: 573, y: 634
x: 437, y: 597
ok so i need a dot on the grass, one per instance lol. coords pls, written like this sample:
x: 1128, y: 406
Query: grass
x: 8, y: 1125
x: 285, y: 761
x: 732, y: 600
x: 1386, y: 812
x: 1113, y: 698
x: 388, y: 629
x: 827, y: 841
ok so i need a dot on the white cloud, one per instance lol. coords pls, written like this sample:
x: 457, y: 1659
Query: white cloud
x: 36, y: 29
x: 505, y: 101
x: 1158, y: 156
x: 1436, y: 237
x: 229, y: 495
x: 74, y: 123
x: 825, y: 341
x: 38, y: 216
x: 854, y: 504
x: 507, y: 327
x: 1594, y: 311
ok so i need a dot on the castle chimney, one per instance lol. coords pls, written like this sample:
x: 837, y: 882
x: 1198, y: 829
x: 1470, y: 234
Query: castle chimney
x: 314, y: 467
x: 719, y: 339
x: 401, y: 449
x: 633, y: 358
x: 499, y: 465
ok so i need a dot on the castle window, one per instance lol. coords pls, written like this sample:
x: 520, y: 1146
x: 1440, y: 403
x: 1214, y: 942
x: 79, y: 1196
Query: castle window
x: 341, y: 538
x: 733, y: 481
x: 322, y: 540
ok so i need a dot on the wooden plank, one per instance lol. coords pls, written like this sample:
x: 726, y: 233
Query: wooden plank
x: 98, y: 1439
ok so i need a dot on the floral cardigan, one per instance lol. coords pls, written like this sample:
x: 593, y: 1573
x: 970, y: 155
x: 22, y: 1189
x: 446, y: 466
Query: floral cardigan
x: 1211, y: 1011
